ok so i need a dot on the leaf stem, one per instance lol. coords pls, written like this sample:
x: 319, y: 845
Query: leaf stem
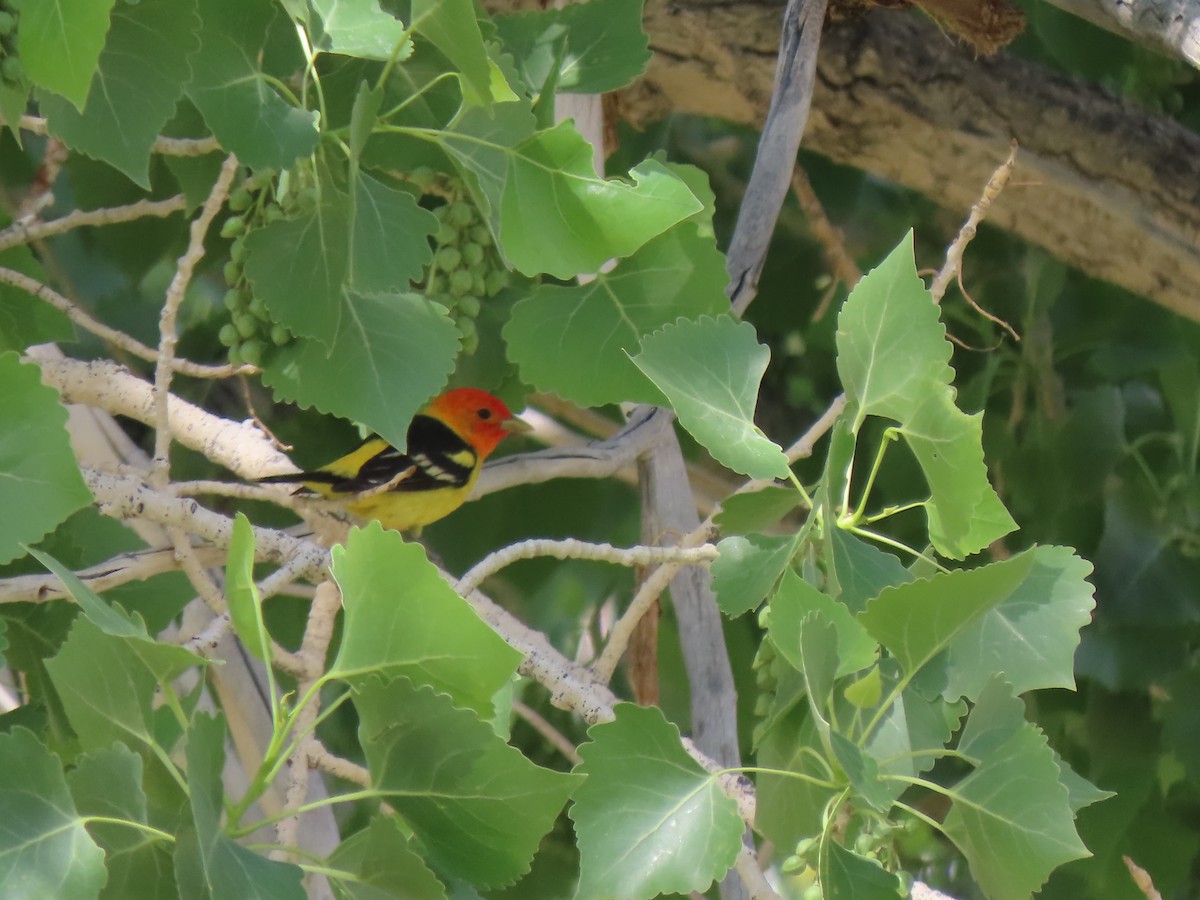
x: 129, y: 823
x: 307, y: 807
x: 889, y: 435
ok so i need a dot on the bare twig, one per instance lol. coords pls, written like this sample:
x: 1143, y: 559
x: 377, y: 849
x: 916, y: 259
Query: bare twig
x: 41, y: 192
x: 1142, y: 879
x: 335, y: 765
x: 752, y: 876
x: 167, y: 146
x: 570, y: 548
x: 776, y: 156
x: 160, y: 472
x: 25, y: 232
x: 117, y: 338
x: 313, y: 648
x: 828, y: 235
x: 127, y: 497
x: 553, y: 736
x: 954, y: 253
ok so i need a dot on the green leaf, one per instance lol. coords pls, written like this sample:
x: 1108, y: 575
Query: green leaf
x: 859, y: 569
x: 543, y: 198
x: 756, y: 510
x: 44, y: 849
x: 1010, y: 817
x: 245, y: 113
x: 390, y: 355
x: 912, y: 730
x: 795, y: 600
x: 893, y: 359
x: 790, y: 808
x: 38, y: 472
x: 748, y: 568
x: 862, y: 771
x: 387, y: 247
x: 109, y: 619
x: 359, y: 28
x: 452, y: 27
x: 1031, y: 635
x: 919, y: 620
x: 649, y: 819
x: 592, y: 48
x: 59, y: 43
x: 24, y: 319
x: 338, y: 277
x: 402, y: 618
x: 107, y: 684
x: 710, y: 371
x: 385, y: 865
x: 210, y: 865
x: 245, y: 605
x: 141, y: 76
x: 108, y: 782
x: 576, y: 340
x: 552, y: 192
x: 480, y: 141
x: 847, y: 876
x: 14, y: 100
x: 478, y: 806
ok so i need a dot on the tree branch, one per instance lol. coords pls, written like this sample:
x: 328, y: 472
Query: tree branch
x: 1118, y: 188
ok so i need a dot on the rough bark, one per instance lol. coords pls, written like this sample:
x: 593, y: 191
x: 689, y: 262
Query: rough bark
x: 1171, y: 27
x: 1117, y: 190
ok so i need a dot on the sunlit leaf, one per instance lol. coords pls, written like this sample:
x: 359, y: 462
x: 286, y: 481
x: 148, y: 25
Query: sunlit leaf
x: 650, y: 820
x: 38, y: 473
x: 710, y: 371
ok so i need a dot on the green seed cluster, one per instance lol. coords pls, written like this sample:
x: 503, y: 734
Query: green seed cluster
x: 250, y: 334
x: 466, y: 267
x: 12, y: 73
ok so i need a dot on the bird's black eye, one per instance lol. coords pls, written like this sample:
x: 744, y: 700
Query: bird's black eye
x: 485, y: 413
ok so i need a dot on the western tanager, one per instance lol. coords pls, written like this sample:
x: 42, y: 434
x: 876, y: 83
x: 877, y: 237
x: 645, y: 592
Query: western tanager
x: 447, y: 444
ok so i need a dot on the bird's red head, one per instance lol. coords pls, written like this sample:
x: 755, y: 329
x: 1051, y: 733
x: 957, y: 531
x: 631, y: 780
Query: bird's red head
x: 478, y: 416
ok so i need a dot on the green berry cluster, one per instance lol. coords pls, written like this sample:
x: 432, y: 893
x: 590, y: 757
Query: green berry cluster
x: 250, y: 334
x: 12, y: 74
x: 466, y: 268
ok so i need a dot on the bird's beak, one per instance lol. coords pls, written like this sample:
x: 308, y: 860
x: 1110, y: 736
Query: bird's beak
x: 515, y: 425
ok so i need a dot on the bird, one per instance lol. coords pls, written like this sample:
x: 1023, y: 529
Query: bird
x: 447, y: 444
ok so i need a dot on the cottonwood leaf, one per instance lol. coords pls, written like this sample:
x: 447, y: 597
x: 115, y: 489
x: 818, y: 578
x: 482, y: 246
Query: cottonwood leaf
x: 585, y: 48
x: 477, y: 805
x: 747, y: 568
x: 59, y: 44
x: 575, y: 340
x: 232, y: 93
x: 1011, y: 817
x: 893, y: 359
x: 710, y: 371
x: 649, y: 819
x: 140, y: 78
x: 45, y: 851
x: 402, y: 618
x: 40, y: 483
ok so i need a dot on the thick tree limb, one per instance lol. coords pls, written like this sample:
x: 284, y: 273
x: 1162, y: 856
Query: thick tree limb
x: 1117, y: 189
x: 1168, y: 26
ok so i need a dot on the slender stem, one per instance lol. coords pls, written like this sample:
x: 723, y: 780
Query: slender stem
x: 128, y: 823
x: 899, y: 545
x: 307, y: 807
x: 889, y: 435
x: 798, y: 486
x: 393, y: 58
x: 782, y: 773
x: 421, y: 91
x: 889, y: 511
